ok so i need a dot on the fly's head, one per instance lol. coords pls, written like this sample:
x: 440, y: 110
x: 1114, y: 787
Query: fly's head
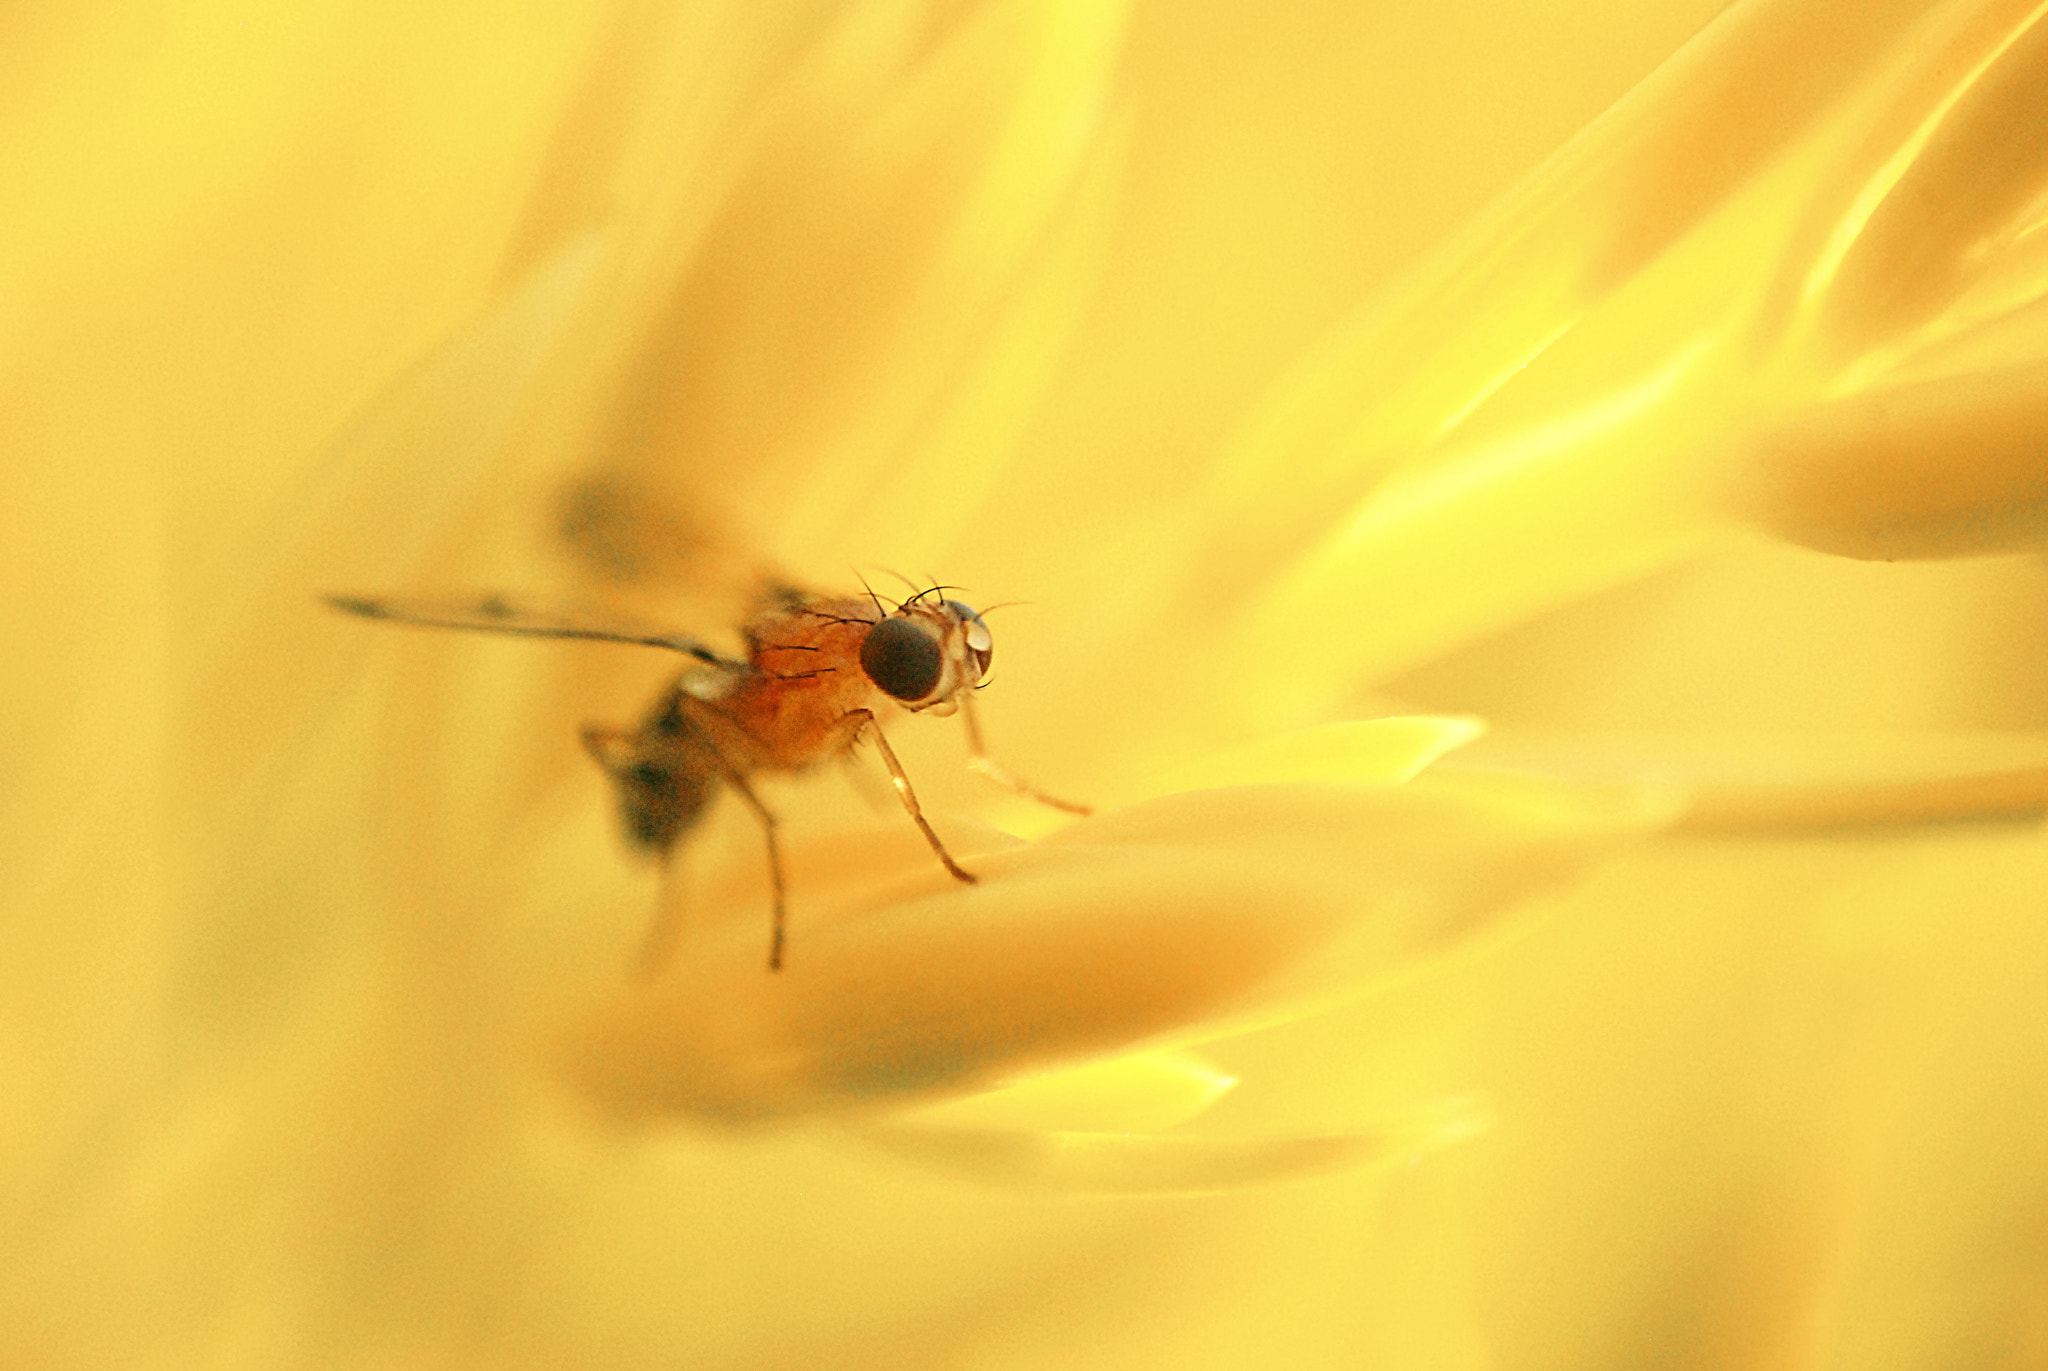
x: 927, y: 650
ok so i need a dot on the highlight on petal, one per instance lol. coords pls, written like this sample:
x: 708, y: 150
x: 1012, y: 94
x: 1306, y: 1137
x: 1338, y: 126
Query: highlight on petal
x: 1596, y: 382
x: 1412, y: 365
x: 1533, y: 416
x: 1945, y: 184
x: 1167, y: 921
x: 1103, y: 1128
x: 1074, y: 1162
x: 1908, y: 318
x: 1493, y: 532
x: 1368, y: 752
x: 1821, y: 782
x: 1133, y: 1092
x: 1787, y: 782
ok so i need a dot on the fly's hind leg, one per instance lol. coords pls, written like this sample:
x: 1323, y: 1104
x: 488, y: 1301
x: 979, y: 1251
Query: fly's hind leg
x: 666, y: 772
x: 863, y: 720
x: 660, y: 796
x: 766, y: 815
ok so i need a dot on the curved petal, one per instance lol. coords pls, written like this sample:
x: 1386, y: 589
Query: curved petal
x: 1171, y: 919
x: 1780, y: 782
x: 1942, y: 468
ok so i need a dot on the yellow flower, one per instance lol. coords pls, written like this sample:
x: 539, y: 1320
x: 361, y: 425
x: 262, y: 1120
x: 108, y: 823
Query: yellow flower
x: 320, y: 1035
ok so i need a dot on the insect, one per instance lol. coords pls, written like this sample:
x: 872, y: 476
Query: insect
x: 819, y: 674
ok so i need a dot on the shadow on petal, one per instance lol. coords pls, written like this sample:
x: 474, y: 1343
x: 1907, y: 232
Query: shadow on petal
x: 1954, y: 467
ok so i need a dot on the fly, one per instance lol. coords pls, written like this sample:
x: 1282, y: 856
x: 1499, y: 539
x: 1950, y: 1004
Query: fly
x: 818, y: 673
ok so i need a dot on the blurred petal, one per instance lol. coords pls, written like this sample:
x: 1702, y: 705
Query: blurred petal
x: 1947, y: 174
x: 1730, y: 998
x: 1167, y: 919
x: 1911, y: 301
x: 1650, y: 337
x: 1371, y: 752
x: 1944, y: 468
x: 1807, y: 780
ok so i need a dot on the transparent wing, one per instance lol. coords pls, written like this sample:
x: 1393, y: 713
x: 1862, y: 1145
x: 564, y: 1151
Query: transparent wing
x: 493, y: 614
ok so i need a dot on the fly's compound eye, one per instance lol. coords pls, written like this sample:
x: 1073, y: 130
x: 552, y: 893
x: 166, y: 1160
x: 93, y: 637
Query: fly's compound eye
x: 981, y: 644
x: 903, y: 658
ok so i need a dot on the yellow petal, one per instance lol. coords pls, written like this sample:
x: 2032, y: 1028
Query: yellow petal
x: 1172, y: 918
x: 1135, y: 1092
x: 1943, y: 468
x: 1779, y: 782
x: 1370, y: 752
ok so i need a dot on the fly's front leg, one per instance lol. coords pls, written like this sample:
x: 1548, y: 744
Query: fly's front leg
x: 978, y: 761
x: 863, y: 720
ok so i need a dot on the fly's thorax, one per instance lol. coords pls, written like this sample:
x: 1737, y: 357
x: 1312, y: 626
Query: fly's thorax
x: 804, y: 681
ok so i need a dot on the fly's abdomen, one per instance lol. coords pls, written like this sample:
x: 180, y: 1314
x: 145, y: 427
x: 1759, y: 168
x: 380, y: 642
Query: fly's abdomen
x: 659, y: 801
x: 665, y: 772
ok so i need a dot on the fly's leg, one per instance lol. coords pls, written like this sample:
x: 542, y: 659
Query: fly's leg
x: 661, y: 793
x: 864, y: 721
x: 768, y: 822
x: 978, y: 761
x: 666, y: 772
x: 681, y: 719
